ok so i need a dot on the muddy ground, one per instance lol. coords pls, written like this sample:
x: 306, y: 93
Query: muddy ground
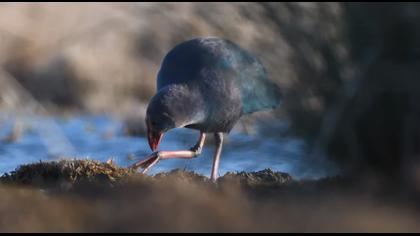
x: 89, y: 196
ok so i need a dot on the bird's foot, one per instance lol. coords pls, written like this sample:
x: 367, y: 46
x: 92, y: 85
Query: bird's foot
x: 147, y: 163
x: 196, y: 150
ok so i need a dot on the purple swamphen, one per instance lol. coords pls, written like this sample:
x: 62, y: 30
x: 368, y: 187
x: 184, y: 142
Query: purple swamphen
x: 205, y: 84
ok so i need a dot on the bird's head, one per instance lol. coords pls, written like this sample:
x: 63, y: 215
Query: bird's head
x: 157, y: 124
x: 170, y: 108
x: 158, y: 121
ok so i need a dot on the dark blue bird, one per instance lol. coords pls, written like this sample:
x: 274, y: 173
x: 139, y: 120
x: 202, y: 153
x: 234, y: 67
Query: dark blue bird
x: 205, y: 84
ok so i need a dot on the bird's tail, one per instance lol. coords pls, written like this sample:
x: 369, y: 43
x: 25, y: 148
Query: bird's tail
x: 266, y: 95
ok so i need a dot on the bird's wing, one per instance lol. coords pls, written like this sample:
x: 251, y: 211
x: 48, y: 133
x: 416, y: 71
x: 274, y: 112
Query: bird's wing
x: 220, y: 59
x: 257, y: 90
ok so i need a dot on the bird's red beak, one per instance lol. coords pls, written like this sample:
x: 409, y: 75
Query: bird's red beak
x: 154, y: 138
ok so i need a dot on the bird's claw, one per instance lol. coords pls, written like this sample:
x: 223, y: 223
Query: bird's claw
x: 196, y: 150
x: 147, y: 163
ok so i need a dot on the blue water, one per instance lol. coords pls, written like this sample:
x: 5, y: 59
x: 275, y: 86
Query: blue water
x: 102, y: 138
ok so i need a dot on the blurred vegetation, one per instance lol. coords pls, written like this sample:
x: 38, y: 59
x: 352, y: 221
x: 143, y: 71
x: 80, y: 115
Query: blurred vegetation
x: 349, y: 70
x: 88, y: 196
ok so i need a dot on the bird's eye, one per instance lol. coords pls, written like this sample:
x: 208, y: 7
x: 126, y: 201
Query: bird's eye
x: 153, y: 123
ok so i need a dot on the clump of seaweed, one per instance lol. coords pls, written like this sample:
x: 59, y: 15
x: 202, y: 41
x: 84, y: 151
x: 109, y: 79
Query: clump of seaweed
x: 182, y: 175
x: 265, y: 177
x: 66, y: 173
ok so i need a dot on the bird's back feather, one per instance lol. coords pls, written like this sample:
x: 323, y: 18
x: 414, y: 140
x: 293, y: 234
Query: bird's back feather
x: 217, y: 63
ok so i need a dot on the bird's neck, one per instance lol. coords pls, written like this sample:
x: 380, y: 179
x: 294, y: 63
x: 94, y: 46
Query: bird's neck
x: 186, y: 103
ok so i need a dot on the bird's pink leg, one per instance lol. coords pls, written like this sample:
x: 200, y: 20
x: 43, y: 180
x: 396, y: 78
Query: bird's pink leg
x: 219, y: 143
x: 160, y: 155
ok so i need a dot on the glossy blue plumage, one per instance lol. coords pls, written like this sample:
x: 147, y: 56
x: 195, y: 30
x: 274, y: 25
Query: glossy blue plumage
x: 212, y: 61
x: 208, y: 84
